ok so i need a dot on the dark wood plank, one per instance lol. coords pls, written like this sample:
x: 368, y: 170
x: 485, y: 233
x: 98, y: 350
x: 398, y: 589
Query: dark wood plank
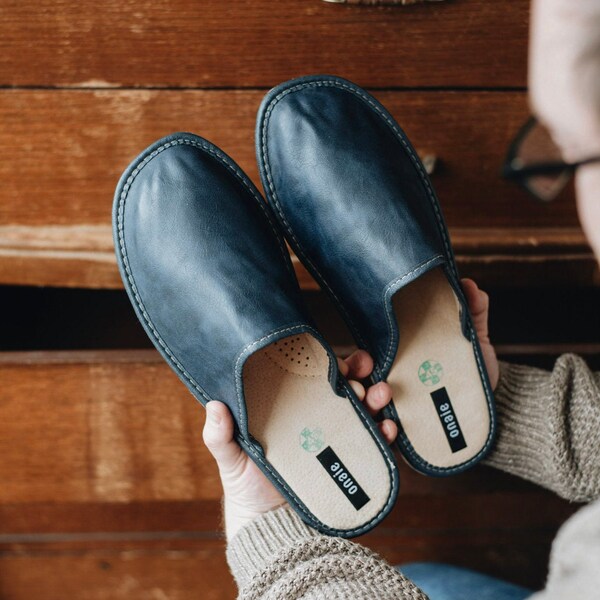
x: 502, y: 503
x: 101, y: 432
x: 94, y: 135
x: 502, y: 534
x: 189, y: 574
x: 118, y: 426
x: 83, y: 256
x: 199, y: 570
x: 260, y: 43
x: 55, y: 206
x: 114, y: 575
x: 116, y: 489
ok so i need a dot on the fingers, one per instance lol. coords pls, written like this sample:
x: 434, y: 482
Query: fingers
x: 478, y: 300
x: 343, y: 367
x: 375, y: 398
x: 218, y: 436
x: 357, y: 366
x: 389, y: 430
x: 378, y: 396
x: 360, y: 364
x: 479, y: 303
x: 358, y: 388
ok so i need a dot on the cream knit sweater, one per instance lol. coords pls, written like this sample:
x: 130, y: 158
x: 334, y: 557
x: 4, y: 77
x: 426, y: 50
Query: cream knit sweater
x: 549, y: 433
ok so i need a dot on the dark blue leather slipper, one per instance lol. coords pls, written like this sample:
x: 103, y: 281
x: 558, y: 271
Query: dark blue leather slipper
x: 211, y: 281
x: 359, y: 211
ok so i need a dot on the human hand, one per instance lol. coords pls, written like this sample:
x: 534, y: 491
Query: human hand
x: 247, y: 492
x: 479, y: 304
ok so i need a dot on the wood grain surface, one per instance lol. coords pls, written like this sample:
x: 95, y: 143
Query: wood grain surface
x: 106, y: 489
x: 62, y: 152
x: 249, y: 43
x: 199, y: 571
x: 116, y: 486
x: 83, y: 256
x: 126, y: 574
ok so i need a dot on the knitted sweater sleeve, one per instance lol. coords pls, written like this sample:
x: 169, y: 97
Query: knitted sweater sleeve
x: 549, y: 427
x: 278, y: 556
x: 549, y: 433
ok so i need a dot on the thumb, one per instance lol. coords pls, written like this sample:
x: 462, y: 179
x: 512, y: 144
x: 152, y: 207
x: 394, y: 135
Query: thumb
x: 218, y: 436
x: 479, y: 303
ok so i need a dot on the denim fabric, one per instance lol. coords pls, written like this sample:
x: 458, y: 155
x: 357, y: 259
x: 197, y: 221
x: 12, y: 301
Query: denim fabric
x: 445, y: 582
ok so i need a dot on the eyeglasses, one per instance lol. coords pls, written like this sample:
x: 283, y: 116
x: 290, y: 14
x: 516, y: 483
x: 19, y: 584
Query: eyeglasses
x: 534, y: 162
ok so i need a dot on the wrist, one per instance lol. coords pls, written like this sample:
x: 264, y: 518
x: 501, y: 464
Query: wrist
x: 237, y: 516
x: 257, y: 543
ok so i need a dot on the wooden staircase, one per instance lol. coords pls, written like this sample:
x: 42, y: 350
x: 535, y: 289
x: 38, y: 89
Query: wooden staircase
x: 106, y: 490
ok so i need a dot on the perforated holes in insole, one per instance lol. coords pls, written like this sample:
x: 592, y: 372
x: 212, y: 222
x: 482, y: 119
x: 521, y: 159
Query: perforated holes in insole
x: 296, y: 354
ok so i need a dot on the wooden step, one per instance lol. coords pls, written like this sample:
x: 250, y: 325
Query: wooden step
x: 259, y: 43
x: 83, y: 256
x: 62, y: 152
x: 108, y: 490
x: 56, y: 205
x: 117, y: 574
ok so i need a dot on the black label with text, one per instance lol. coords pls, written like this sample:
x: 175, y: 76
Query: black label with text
x: 343, y: 478
x: 448, y: 419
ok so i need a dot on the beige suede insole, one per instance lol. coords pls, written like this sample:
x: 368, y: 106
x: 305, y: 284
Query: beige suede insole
x: 434, y: 357
x: 295, y: 415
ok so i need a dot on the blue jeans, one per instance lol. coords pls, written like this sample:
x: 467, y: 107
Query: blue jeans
x: 445, y: 582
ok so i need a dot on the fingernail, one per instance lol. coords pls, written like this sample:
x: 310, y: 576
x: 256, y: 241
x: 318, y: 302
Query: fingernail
x: 213, y: 417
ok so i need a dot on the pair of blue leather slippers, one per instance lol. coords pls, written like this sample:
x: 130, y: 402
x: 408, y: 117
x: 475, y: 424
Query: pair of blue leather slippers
x: 204, y: 261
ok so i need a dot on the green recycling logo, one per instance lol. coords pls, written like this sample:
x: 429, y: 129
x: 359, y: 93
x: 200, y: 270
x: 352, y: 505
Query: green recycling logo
x: 312, y: 440
x: 431, y: 372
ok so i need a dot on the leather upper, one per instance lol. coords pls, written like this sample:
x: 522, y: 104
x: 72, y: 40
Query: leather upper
x: 208, y: 274
x: 354, y: 200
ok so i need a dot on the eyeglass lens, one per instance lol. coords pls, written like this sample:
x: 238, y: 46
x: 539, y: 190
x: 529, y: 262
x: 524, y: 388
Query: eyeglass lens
x: 537, y: 147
